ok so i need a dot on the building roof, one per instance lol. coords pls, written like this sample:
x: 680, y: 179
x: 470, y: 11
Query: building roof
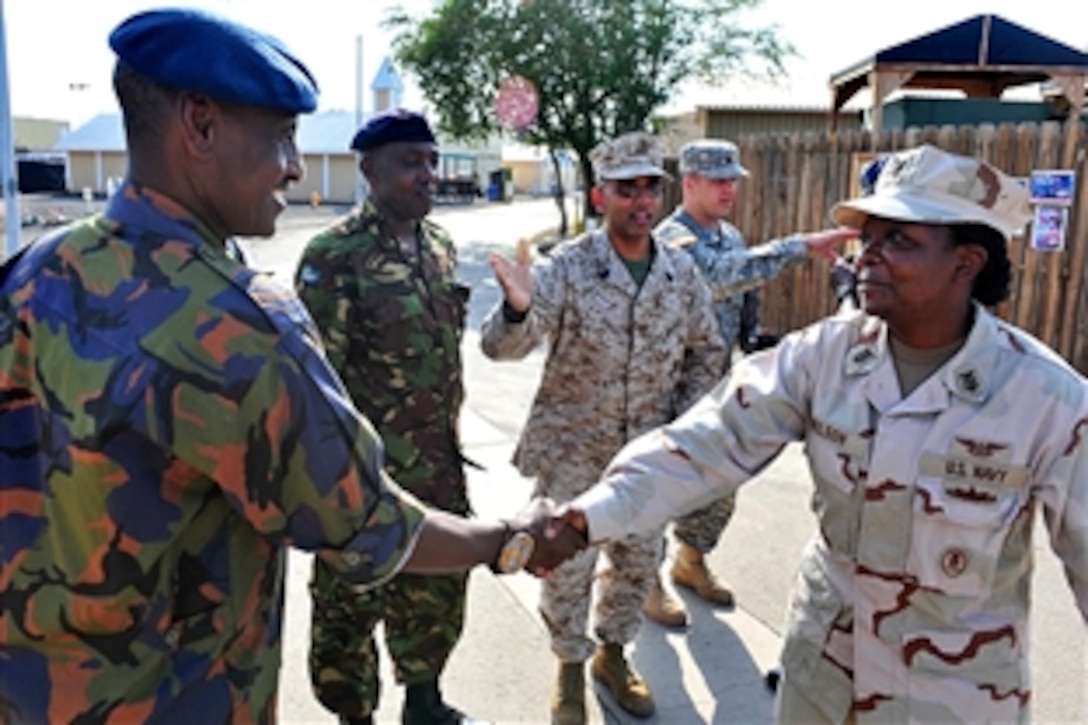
x: 324, y: 132
x: 318, y: 133
x: 104, y: 132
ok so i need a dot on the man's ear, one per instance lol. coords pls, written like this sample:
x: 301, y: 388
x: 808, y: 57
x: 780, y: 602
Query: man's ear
x: 367, y: 165
x: 596, y: 197
x: 199, y: 116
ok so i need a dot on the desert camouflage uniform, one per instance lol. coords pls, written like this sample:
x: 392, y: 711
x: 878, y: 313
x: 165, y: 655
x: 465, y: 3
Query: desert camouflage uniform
x: 911, y: 604
x: 392, y: 321
x: 622, y: 360
x: 168, y: 423
x: 732, y: 270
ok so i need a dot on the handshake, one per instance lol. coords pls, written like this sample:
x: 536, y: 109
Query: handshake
x: 541, y: 537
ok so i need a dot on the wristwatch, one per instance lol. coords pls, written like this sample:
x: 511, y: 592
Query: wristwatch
x: 517, y: 547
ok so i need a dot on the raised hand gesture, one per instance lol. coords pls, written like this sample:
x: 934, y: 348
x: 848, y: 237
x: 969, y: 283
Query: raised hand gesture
x: 515, y: 276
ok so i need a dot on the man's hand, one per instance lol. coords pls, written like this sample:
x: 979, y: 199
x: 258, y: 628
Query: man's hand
x: 827, y: 243
x: 552, y: 547
x: 515, y: 277
x: 844, y: 281
x: 567, y: 518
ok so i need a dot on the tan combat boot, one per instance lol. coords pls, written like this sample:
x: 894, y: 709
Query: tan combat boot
x: 569, y: 695
x: 663, y: 607
x: 629, y: 690
x: 689, y: 570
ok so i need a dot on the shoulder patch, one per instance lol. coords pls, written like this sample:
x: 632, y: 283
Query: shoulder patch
x: 681, y: 241
x: 309, y: 274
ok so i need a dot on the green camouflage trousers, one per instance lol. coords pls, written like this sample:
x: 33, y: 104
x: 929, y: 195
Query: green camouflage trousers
x: 423, y: 617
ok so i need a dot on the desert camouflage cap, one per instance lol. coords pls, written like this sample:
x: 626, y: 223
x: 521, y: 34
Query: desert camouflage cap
x: 628, y: 157
x: 932, y: 186
x: 711, y: 158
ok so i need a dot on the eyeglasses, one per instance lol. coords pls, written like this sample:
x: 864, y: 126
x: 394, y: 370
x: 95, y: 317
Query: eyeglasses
x: 631, y: 190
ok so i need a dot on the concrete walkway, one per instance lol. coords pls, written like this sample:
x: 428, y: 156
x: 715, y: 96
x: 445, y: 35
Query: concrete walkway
x: 503, y: 668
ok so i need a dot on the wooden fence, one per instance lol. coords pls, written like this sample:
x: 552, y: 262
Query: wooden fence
x: 795, y: 179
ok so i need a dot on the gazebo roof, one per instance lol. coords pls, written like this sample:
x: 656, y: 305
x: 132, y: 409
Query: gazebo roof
x: 982, y: 56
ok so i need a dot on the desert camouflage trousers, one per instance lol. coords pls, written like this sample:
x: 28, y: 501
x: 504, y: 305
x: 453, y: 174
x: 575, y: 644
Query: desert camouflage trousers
x: 423, y: 617
x: 792, y: 706
x: 566, y: 595
x: 702, y: 528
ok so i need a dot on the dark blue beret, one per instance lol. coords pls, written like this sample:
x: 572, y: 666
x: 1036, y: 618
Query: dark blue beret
x: 196, y: 51
x: 390, y: 126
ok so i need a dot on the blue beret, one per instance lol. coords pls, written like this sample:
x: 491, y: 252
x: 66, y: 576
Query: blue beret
x: 196, y: 51
x: 390, y: 126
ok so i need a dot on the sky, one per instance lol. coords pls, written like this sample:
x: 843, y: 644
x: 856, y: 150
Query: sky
x: 59, y: 62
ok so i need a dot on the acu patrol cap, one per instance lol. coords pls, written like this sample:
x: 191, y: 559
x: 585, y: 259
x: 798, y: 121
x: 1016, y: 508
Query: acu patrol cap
x: 928, y: 185
x: 628, y: 157
x: 193, y: 50
x: 711, y: 158
x: 390, y: 126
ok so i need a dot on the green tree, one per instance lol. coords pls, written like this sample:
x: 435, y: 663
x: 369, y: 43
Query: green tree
x: 600, y: 67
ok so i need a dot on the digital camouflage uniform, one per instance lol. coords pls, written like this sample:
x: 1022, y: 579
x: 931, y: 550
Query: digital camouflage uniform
x: 168, y: 424
x: 911, y: 602
x: 392, y: 322
x: 732, y: 270
x: 622, y: 360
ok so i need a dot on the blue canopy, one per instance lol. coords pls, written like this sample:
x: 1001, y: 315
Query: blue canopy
x: 982, y: 56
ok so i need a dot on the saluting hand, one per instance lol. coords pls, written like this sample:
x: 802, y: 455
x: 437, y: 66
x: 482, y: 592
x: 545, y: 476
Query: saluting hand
x: 515, y: 277
x: 826, y: 244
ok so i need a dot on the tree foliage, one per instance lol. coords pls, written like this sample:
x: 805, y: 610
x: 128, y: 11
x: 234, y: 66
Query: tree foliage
x: 600, y: 67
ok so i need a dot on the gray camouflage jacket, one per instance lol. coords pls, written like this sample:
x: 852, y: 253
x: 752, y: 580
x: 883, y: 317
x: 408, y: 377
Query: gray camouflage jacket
x: 729, y: 266
x: 621, y: 360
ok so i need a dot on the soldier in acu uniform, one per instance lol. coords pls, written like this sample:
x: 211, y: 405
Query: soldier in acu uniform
x: 710, y: 171
x: 169, y: 422
x: 632, y: 343
x: 934, y: 432
x: 380, y: 285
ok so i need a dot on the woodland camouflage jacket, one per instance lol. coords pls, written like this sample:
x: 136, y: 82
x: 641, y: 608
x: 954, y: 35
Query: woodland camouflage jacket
x: 392, y: 323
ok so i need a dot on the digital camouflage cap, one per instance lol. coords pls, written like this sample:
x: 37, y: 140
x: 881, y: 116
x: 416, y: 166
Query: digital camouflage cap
x: 712, y: 158
x: 628, y: 157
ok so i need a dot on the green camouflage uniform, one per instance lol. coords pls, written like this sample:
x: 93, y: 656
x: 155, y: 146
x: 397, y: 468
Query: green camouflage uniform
x: 168, y: 424
x: 392, y: 322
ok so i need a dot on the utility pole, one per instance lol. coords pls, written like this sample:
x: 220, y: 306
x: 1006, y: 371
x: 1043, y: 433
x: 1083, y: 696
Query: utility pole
x: 358, y: 107
x: 7, y: 148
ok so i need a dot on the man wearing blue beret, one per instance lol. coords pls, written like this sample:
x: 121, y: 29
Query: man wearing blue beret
x: 380, y: 283
x: 169, y: 422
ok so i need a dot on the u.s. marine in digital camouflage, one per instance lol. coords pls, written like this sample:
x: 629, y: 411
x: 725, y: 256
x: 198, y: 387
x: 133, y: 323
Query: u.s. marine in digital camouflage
x: 392, y: 315
x: 632, y: 342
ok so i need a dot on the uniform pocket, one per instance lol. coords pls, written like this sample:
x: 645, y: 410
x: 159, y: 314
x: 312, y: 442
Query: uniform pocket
x: 837, y: 475
x: 959, y: 525
x: 972, y: 676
